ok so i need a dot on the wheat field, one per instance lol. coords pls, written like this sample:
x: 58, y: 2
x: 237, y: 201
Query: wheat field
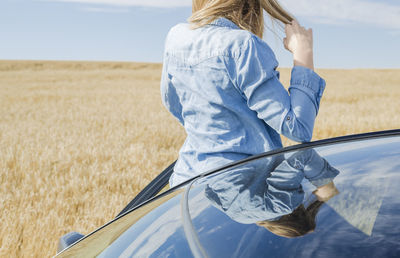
x: 78, y: 140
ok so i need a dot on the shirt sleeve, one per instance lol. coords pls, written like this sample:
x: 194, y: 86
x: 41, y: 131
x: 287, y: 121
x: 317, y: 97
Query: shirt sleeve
x: 169, y: 96
x: 292, y: 113
x: 315, y: 168
x: 248, y: 194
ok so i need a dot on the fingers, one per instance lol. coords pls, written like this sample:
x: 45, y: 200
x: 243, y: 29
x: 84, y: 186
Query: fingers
x: 295, y: 26
x: 310, y: 33
x: 285, y: 43
x: 295, y: 23
x: 288, y: 28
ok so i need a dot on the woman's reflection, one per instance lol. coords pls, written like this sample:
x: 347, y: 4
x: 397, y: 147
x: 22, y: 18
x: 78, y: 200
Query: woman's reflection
x: 274, y: 198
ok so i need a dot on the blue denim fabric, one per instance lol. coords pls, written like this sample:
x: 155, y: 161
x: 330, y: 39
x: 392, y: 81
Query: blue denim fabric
x: 221, y: 84
x: 257, y: 191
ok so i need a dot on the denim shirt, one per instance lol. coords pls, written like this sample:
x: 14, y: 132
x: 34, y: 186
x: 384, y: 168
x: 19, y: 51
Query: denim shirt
x: 221, y: 83
x: 255, y: 192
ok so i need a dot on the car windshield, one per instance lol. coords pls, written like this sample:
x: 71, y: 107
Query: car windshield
x: 334, y: 200
x: 313, y: 202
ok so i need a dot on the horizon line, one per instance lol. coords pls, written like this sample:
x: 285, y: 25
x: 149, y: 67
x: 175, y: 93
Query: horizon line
x: 160, y: 63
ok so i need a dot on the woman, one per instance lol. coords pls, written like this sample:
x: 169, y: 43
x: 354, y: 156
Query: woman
x: 272, y: 196
x: 220, y: 81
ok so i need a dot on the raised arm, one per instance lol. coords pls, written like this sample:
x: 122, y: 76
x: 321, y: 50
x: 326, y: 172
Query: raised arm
x: 292, y: 113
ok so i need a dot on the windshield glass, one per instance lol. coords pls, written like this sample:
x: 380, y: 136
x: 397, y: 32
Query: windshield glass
x: 336, y: 200
x: 324, y: 201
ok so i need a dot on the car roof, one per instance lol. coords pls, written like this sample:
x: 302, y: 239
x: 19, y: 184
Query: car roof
x: 238, y: 205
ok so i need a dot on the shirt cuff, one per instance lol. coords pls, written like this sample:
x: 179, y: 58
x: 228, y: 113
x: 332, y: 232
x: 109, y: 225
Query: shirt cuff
x: 325, y: 176
x: 309, y: 82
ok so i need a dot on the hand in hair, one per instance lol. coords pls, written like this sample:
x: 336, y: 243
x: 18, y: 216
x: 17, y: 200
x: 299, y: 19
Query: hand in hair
x: 326, y: 192
x: 299, y: 41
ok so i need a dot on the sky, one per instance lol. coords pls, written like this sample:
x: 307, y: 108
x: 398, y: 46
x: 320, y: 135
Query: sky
x: 347, y: 33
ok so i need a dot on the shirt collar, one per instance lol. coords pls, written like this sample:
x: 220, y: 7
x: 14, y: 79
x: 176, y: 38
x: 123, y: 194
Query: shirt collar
x: 223, y: 22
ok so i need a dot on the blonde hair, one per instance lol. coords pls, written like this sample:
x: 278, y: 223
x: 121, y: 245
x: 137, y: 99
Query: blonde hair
x: 247, y: 14
x: 299, y: 223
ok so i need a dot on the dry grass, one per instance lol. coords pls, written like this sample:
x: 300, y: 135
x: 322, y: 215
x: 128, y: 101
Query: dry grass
x: 79, y: 140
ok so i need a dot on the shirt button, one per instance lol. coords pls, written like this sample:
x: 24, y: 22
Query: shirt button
x: 288, y: 118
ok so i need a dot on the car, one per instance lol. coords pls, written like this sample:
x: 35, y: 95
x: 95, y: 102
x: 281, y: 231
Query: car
x: 330, y: 198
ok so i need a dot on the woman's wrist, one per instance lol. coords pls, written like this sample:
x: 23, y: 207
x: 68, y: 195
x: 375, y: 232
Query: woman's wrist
x: 326, y: 192
x: 308, y: 65
x: 305, y: 59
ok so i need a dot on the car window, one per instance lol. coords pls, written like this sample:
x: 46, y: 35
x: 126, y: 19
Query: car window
x: 272, y: 205
x: 334, y: 200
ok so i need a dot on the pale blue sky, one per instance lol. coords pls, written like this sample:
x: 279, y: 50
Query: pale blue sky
x: 347, y: 33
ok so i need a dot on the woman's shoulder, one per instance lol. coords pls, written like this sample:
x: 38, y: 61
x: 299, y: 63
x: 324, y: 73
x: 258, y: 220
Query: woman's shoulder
x: 212, y: 40
x: 180, y: 27
x: 178, y: 35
